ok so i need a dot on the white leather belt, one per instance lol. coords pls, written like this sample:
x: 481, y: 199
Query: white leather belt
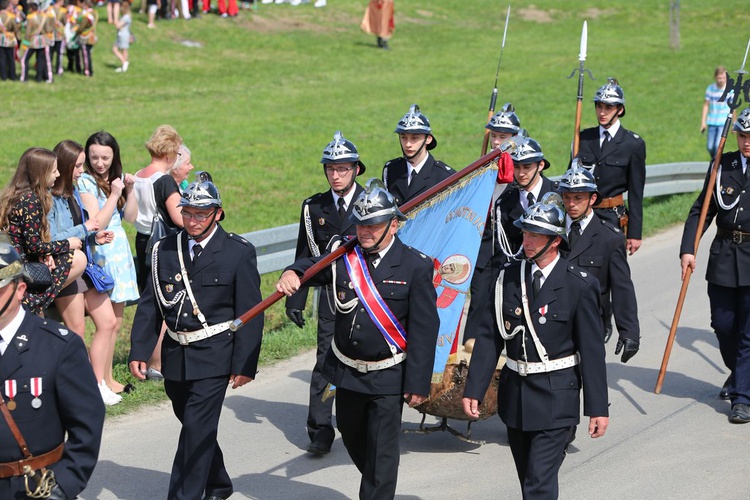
x: 185, y: 338
x: 367, y: 366
x: 524, y: 368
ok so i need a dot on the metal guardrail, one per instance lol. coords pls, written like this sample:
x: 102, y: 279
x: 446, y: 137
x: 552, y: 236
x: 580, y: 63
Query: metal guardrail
x: 276, y: 246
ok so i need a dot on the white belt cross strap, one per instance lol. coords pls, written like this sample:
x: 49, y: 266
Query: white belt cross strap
x: 186, y: 282
x: 528, y: 321
x: 367, y: 366
x: 524, y: 368
x: 185, y: 338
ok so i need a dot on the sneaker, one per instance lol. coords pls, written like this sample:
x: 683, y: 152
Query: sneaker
x: 119, y: 70
x: 295, y: 2
x: 267, y: 1
x: 225, y: 15
x: 280, y: 1
x: 320, y: 3
x: 109, y: 397
x: 125, y: 66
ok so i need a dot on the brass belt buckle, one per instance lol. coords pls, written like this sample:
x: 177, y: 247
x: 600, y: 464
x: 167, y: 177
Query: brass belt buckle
x: 737, y: 237
x: 523, y: 367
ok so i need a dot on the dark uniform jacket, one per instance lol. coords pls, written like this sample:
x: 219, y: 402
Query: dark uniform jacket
x: 325, y: 223
x: 727, y: 262
x: 396, y: 177
x: 573, y: 324
x: 71, y: 404
x: 600, y: 249
x: 226, y: 284
x: 404, y: 279
x: 620, y: 167
x: 509, y: 209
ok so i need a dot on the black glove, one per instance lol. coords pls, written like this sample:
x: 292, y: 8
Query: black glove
x: 296, y: 316
x: 629, y: 348
x: 57, y: 494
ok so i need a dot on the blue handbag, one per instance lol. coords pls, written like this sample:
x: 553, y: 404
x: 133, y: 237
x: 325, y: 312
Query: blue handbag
x: 102, y: 281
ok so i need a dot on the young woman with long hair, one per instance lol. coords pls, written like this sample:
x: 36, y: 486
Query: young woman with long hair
x: 107, y: 195
x: 67, y: 218
x: 24, y: 204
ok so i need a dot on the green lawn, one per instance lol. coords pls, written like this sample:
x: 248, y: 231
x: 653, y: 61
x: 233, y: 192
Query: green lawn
x: 265, y: 92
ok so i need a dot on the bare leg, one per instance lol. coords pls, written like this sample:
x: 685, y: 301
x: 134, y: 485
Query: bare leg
x: 72, y: 312
x: 119, y: 309
x: 155, y: 361
x: 77, y: 268
x: 100, y: 309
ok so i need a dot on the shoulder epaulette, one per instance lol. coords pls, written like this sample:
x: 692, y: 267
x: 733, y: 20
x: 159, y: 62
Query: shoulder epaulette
x: 442, y: 165
x: 583, y: 275
x: 237, y: 237
x: 610, y: 226
x: 419, y: 254
x: 57, y: 329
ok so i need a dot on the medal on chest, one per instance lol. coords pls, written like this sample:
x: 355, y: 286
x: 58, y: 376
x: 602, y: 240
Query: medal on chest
x: 543, y: 314
x: 11, y: 388
x: 36, y: 391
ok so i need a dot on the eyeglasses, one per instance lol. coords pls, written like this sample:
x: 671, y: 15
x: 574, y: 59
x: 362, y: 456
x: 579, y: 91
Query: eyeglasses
x: 198, y: 217
x: 339, y: 170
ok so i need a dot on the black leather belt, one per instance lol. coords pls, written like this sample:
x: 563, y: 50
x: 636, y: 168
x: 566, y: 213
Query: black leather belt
x: 736, y: 236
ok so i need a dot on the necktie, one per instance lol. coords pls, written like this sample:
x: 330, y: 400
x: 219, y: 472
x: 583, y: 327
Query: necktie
x: 747, y: 173
x: 197, y: 249
x: 607, y: 138
x: 342, y: 210
x: 373, y: 259
x: 537, y: 283
x: 575, y: 232
x: 2, y: 346
x: 530, y: 198
x: 413, y: 176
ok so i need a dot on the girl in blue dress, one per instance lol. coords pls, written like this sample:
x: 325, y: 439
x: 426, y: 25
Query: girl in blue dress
x: 107, y: 195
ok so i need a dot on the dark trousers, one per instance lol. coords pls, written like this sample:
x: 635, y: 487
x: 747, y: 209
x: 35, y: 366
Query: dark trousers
x: 370, y: 427
x: 319, y: 419
x: 141, y: 269
x: 730, y: 319
x: 198, y: 464
x: 538, y: 456
x: 7, y: 64
x: 88, y: 64
x: 43, y: 64
x: 74, y: 60
x: 56, y: 56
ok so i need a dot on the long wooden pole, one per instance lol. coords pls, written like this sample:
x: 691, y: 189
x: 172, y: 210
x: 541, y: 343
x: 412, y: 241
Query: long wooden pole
x: 328, y: 259
x: 733, y: 104
x: 689, y: 271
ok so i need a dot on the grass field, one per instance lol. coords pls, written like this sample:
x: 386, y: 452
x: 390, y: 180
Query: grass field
x: 262, y: 95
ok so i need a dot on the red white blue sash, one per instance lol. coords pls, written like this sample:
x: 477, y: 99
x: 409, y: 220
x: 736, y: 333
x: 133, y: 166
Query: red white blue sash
x: 381, y: 315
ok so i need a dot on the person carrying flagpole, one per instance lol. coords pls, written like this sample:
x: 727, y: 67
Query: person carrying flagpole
x: 383, y: 347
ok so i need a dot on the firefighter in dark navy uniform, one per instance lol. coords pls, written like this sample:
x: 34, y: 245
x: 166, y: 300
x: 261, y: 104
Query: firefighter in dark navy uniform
x: 598, y: 247
x: 551, y: 328
x: 502, y: 126
x: 49, y: 393
x: 618, y: 159
x: 416, y: 171
x: 529, y: 186
x: 728, y: 261
x: 201, y: 279
x: 377, y: 366
x: 325, y: 215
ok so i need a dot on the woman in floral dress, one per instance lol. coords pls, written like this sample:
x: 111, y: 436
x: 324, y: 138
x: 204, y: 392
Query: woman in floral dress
x: 24, y: 204
x: 108, y: 197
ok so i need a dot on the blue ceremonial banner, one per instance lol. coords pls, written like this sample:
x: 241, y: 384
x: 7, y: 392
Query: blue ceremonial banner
x: 448, y: 228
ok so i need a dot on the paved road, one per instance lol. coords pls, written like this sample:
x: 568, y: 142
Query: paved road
x: 675, y: 445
